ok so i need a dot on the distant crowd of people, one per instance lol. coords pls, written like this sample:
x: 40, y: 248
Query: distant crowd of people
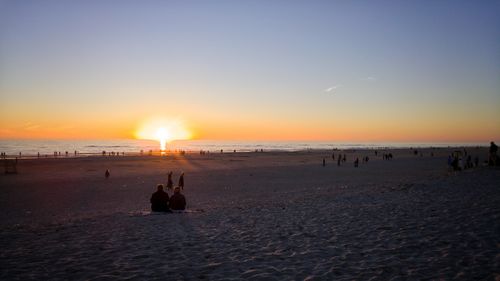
x: 459, y: 160
x: 343, y: 158
x: 161, y: 202
x: 462, y: 160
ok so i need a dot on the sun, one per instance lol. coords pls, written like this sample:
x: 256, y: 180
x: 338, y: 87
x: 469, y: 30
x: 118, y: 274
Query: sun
x: 163, y: 136
x: 163, y: 130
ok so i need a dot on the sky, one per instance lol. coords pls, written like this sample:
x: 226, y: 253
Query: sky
x: 251, y: 70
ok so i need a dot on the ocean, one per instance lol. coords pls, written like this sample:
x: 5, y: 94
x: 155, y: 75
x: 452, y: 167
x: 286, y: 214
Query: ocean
x: 132, y: 146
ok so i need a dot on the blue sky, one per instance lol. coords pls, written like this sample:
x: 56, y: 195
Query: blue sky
x: 418, y: 59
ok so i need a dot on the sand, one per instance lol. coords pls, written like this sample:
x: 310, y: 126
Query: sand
x: 252, y: 216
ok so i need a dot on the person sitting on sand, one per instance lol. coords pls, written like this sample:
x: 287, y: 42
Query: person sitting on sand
x: 159, y: 200
x: 177, y: 201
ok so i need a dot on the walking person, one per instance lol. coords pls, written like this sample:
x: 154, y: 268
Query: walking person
x: 170, y: 183
x: 181, y: 181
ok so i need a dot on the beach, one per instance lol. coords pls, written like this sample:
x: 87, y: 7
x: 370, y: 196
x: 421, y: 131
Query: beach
x: 253, y: 216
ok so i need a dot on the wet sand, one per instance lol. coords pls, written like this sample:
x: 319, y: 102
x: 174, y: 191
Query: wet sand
x: 253, y: 216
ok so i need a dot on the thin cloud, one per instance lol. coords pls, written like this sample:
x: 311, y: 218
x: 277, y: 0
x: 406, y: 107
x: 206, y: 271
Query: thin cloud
x: 333, y: 89
x: 369, y: 78
x: 30, y: 126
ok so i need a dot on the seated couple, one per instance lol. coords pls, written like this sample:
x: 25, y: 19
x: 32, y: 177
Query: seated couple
x: 160, y: 202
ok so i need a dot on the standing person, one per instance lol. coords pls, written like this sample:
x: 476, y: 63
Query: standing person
x: 493, y: 154
x: 177, y: 201
x: 170, y: 183
x: 181, y: 181
x: 468, y: 162
x: 324, y: 162
x: 159, y: 200
x: 454, y: 163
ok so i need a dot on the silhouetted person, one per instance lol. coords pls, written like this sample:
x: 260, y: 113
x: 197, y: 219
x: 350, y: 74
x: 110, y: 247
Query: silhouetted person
x: 338, y: 161
x: 159, y: 200
x: 333, y: 156
x: 177, y: 201
x: 181, y: 181
x: 468, y: 162
x: 356, y: 162
x: 455, y: 164
x: 107, y: 173
x: 324, y: 162
x: 170, y: 183
x: 344, y: 159
x: 493, y: 154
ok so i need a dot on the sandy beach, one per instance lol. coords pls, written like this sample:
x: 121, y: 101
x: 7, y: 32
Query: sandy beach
x: 253, y: 216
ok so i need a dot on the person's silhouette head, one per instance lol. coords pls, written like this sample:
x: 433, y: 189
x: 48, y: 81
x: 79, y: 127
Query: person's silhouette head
x: 177, y: 189
x: 159, y: 187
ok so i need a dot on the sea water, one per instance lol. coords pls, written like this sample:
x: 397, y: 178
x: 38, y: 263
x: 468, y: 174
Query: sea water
x: 132, y: 146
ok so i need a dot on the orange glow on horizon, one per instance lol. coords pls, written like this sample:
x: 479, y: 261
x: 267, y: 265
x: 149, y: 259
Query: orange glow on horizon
x: 204, y: 125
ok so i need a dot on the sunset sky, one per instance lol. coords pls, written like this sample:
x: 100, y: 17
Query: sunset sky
x: 252, y: 70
